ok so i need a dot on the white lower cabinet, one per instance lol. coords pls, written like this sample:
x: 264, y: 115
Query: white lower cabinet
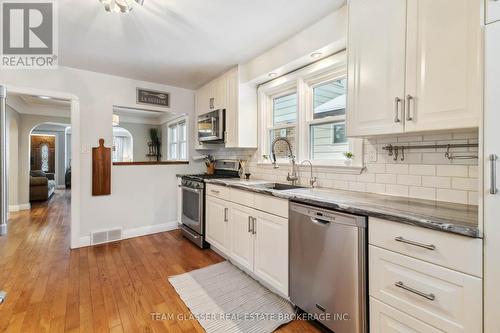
x: 415, y: 280
x: 254, y: 240
x: 386, y: 319
x: 217, y: 227
x: 242, y: 239
x: 271, y: 250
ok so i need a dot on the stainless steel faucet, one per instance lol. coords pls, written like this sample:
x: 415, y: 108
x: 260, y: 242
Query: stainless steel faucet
x: 312, y: 180
x: 293, y: 177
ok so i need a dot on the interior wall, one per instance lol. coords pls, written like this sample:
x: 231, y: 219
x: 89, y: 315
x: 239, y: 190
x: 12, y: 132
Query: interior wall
x: 97, y: 93
x: 13, y: 157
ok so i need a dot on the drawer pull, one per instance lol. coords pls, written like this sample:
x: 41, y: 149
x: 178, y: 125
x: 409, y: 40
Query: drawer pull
x: 214, y: 191
x: 406, y: 241
x: 401, y: 285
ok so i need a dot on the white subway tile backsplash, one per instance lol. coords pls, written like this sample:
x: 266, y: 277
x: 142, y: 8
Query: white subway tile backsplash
x: 422, y: 169
x: 467, y: 184
x: 452, y: 196
x: 423, y: 193
x: 409, y: 180
x: 452, y: 170
x: 424, y: 173
x: 436, y: 182
x: 399, y: 169
x: 398, y: 190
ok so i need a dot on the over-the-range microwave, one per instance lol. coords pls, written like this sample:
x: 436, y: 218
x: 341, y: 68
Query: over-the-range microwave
x: 212, y: 126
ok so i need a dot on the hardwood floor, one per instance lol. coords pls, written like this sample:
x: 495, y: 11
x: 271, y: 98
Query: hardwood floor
x: 107, y: 288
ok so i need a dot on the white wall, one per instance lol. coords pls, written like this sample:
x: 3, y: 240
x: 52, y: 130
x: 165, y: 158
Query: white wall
x: 141, y: 137
x: 97, y: 93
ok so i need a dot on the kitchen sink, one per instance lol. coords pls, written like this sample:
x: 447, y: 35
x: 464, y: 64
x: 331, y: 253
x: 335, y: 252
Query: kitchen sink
x: 279, y: 186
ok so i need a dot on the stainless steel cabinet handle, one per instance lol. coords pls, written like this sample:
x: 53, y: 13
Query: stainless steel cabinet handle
x: 254, y: 225
x: 430, y: 297
x: 422, y: 245
x: 397, y: 100
x: 225, y: 214
x: 493, y: 170
x: 409, y: 99
x: 250, y: 224
x: 214, y: 191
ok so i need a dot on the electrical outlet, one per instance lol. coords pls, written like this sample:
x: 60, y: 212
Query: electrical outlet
x: 372, y: 156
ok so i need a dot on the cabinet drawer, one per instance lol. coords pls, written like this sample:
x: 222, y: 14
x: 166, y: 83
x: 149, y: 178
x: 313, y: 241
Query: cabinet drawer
x: 384, y: 318
x: 217, y: 191
x: 446, y: 299
x: 271, y: 205
x: 241, y: 197
x: 460, y: 253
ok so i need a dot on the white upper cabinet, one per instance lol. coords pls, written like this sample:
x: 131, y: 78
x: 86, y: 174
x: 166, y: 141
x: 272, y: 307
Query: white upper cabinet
x: 413, y: 66
x: 376, y: 67
x: 240, y: 102
x: 443, y: 78
x: 492, y: 11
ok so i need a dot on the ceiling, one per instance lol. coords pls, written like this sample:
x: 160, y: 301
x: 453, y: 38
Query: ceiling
x: 183, y: 43
x: 142, y: 116
x: 39, y: 105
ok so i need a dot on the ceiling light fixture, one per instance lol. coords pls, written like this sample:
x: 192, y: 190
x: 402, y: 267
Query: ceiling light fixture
x: 272, y: 75
x: 120, y: 6
x: 44, y: 97
x: 316, y: 55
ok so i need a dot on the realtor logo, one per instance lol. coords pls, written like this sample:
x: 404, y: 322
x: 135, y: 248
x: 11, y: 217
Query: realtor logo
x: 29, y: 36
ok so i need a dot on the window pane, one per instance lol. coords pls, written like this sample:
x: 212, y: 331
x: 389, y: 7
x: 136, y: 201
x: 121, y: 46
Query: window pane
x: 328, y: 141
x: 182, y: 131
x: 173, y: 151
x: 281, y: 148
x: 285, y: 109
x: 173, y: 133
x: 330, y: 99
x: 183, y: 151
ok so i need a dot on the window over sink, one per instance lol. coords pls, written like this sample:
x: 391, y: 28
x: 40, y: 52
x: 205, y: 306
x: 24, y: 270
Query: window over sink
x: 308, y: 107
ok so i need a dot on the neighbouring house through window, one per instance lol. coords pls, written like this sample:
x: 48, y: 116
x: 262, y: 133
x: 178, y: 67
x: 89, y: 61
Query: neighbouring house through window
x: 308, y: 107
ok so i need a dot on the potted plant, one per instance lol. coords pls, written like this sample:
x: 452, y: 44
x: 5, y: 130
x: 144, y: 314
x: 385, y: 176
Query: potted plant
x: 349, y: 156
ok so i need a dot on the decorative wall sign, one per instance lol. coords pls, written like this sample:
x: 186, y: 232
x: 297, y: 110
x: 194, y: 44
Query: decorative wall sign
x: 153, y: 97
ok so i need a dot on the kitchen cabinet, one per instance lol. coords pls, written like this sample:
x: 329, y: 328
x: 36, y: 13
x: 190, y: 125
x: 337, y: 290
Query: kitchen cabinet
x: 242, y: 238
x: 492, y: 11
x: 491, y: 166
x: 253, y: 239
x: 240, y: 102
x: 271, y: 250
x: 413, y: 66
x: 217, y: 229
x: 420, y: 273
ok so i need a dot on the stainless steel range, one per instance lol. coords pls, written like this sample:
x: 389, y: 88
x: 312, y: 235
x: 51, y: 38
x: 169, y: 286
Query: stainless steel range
x: 193, y: 199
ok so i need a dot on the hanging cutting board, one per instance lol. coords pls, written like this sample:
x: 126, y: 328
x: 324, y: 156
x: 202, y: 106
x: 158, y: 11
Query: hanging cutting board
x: 101, y: 169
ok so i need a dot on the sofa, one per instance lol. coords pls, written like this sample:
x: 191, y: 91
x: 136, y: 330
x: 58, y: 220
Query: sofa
x: 42, y: 185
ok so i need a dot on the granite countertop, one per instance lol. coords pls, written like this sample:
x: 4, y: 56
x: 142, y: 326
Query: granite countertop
x: 448, y: 217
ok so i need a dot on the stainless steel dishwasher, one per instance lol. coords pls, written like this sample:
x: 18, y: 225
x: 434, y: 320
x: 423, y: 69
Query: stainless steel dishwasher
x: 328, y: 267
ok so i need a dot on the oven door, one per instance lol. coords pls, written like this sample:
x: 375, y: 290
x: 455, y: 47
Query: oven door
x: 211, y: 126
x: 192, y: 209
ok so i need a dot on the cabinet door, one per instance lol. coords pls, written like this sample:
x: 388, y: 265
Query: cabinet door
x: 242, y: 239
x: 492, y: 11
x: 492, y: 200
x: 271, y: 251
x: 386, y: 319
x: 376, y: 67
x: 232, y: 109
x: 217, y: 223
x: 443, y: 65
x: 220, y: 92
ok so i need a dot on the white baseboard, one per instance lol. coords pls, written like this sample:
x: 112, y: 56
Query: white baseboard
x: 136, y: 232
x: 17, y: 208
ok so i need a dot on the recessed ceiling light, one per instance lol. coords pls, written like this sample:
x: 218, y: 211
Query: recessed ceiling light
x: 272, y: 75
x: 44, y: 97
x: 316, y: 55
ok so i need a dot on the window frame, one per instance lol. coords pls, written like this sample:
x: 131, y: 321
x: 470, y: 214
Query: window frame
x: 176, y: 123
x: 303, y: 81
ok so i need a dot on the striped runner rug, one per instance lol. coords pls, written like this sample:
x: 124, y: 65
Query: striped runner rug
x: 225, y: 299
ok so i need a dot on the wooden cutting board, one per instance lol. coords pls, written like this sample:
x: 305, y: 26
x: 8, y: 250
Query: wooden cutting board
x: 101, y: 169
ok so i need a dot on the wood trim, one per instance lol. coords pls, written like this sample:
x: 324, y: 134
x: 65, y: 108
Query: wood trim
x: 150, y: 163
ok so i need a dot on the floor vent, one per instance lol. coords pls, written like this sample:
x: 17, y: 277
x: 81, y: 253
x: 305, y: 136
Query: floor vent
x: 106, y: 236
